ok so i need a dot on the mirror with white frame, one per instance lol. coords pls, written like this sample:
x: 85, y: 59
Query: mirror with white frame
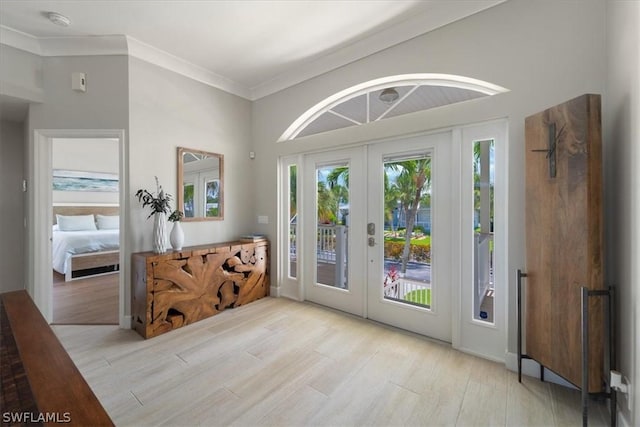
x: 200, y: 185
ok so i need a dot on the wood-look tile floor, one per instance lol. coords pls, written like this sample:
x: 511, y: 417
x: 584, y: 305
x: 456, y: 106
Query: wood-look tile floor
x: 278, y: 362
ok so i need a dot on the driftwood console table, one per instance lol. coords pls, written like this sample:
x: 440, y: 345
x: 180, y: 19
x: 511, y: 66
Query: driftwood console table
x: 174, y: 289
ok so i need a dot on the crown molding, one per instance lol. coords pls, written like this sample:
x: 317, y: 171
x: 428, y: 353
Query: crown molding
x: 117, y: 45
x: 83, y: 46
x: 162, y: 59
x: 64, y: 46
x: 126, y: 45
x: 19, y: 40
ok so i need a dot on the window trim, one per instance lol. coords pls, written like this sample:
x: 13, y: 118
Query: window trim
x: 418, y: 79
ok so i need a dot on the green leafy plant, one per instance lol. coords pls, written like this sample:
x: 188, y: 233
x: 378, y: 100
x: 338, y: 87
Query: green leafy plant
x: 159, y: 203
x: 176, y: 216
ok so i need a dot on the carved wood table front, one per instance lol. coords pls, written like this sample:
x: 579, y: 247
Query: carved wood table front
x: 174, y: 289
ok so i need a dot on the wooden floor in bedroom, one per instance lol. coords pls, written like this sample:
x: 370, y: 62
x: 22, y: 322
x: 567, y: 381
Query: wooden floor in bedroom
x: 277, y: 362
x: 89, y: 301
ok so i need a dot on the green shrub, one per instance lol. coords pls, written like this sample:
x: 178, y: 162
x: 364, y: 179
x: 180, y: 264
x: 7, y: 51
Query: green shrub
x: 419, y: 253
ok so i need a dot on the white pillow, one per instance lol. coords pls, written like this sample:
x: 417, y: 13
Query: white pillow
x: 108, y: 222
x: 75, y: 222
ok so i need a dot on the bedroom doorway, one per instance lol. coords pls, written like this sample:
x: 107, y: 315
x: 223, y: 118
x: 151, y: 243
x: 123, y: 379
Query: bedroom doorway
x: 91, y: 198
x: 85, y: 232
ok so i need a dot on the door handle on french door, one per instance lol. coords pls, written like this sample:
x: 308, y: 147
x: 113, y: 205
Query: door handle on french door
x: 371, y: 229
x: 372, y: 241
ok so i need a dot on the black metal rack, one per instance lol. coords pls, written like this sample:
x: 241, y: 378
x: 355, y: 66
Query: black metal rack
x: 609, y: 350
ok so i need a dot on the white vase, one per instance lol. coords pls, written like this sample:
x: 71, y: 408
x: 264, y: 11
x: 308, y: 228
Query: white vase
x: 177, y: 236
x: 160, y: 233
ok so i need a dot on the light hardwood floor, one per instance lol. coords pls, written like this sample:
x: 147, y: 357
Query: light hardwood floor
x: 93, y: 300
x: 279, y: 362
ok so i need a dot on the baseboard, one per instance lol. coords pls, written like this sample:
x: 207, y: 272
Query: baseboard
x: 125, y: 322
x: 483, y: 356
x: 274, y: 291
x: 531, y: 368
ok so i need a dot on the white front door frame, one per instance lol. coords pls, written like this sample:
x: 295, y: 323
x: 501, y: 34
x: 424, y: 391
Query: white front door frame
x: 462, y: 330
x: 40, y: 287
x: 353, y: 299
x: 437, y: 320
x: 488, y: 340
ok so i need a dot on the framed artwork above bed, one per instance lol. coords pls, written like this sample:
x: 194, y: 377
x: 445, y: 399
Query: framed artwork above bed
x: 73, y: 180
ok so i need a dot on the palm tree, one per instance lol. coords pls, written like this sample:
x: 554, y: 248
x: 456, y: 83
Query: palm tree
x: 477, y: 178
x: 340, y: 173
x: 335, y: 180
x: 413, y: 183
x: 327, y: 204
x: 391, y: 197
x: 293, y: 192
x: 411, y: 186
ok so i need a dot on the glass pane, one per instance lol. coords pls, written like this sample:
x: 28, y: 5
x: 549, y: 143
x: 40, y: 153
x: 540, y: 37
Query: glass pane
x: 212, y: 198
x: 407, y: 230
x: 188, y: 192
x: 293, y: 220
x: 332, y: 200
x: 483, y: 184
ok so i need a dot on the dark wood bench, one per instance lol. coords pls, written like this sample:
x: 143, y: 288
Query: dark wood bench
x: 58, y: 390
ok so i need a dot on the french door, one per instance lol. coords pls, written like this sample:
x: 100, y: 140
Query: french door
x: 410, y: 222
x: 333, y: 228
x: 360, y: 205
x: 402, y: 232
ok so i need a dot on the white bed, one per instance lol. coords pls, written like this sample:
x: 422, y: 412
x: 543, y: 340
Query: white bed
x: 86, y: 248
x: 66, y: 244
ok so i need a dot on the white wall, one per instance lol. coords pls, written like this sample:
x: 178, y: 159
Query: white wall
x: 545, y: 52
x: 87, y: 155
x: 621, y: 111
x: 170, y: 111
x: 104, y: 106
x: 20, y: 78
x: 20, y: 74
x: 12, y: 206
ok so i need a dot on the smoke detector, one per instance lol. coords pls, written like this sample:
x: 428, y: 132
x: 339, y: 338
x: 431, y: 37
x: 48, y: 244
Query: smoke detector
x: 59, y: 19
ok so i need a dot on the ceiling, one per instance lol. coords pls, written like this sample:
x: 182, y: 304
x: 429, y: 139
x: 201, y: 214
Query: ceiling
x: 259, y: 47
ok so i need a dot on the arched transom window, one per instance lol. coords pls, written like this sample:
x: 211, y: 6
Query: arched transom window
x: 387, y: 97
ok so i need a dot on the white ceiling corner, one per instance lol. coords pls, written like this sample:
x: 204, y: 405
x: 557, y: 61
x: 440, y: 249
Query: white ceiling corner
x: 19, y: 40
x: 85, y: 45
x: 174, y: 63
x: 250, y: 49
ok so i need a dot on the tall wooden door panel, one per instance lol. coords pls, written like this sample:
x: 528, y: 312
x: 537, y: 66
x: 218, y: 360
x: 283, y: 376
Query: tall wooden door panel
x: 564, y: 236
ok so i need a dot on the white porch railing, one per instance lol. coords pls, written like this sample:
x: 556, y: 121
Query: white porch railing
x: 331, y: 245
x: 483, y: 268
x: 401, y: 288
x: 331, y: 248
x: 293, y: 238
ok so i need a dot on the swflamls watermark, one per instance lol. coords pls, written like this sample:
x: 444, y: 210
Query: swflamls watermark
x: 36, y: 417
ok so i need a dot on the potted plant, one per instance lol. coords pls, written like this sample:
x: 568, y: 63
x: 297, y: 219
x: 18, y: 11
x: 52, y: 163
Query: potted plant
x: 160, y: 207
x: 177, y: 235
